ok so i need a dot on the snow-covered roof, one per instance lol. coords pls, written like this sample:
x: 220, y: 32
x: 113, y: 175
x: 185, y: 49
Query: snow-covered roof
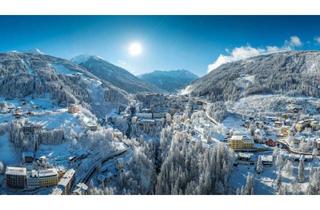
x: 245, y: 155
x: 48, y: 172
x: 19, y: 171
x: 266, y: 158
x: 65, y: 180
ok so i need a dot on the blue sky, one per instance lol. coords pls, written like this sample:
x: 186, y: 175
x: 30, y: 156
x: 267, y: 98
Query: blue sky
x: 168, y: 42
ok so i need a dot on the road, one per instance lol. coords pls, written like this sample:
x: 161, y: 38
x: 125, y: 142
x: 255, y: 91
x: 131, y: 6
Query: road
x: 208, y: 116
x: 96, y: 163
x: 290, y: 149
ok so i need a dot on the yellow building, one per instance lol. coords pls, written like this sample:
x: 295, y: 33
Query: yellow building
x: 285, y: 131
x: 241, y: 142
x: 48, y: 177
x: 299, y: 126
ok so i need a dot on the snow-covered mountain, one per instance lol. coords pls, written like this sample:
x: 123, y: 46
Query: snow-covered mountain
x: 169, y: 80
x: 295, y: 73
x: 39, y: 75
x: 117, y: 76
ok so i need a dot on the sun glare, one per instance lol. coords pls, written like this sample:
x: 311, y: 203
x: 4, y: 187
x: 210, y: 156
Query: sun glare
x: 135, y: 49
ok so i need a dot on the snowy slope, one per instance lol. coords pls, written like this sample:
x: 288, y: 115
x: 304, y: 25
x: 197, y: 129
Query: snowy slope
x: 294, y: 73
x: 64, y: 82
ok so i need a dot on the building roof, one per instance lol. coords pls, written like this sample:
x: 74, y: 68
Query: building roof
x: 48, y: 172
x: 33, y: 174
x: 245, y: 155
x: 27, y: 154
x: 56, y: 191
x: 266, y: 158
x: 65, y: 180
x: 236, y: 138
x: 243, y: 138
x: 19, y: 171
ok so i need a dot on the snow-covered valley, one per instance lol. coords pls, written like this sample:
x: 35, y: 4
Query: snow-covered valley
x: 65, y: 130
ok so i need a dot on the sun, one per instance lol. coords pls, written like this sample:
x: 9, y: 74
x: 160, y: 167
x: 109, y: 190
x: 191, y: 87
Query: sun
x: 135, y: 48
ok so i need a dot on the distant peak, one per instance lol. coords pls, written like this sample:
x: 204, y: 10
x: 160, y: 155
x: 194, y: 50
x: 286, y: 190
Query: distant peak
x: 171, y: 72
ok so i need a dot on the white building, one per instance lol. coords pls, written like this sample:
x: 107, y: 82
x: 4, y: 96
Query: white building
x: 16, y: 177
x: 81, y: 189
x: 267, y: 159
x: 33, y: 179
x: 66, y: 182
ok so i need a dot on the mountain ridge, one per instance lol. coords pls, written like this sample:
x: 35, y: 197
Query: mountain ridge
x: 116, y: 75
x: 170, y: 81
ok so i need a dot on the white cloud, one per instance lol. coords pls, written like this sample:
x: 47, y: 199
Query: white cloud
x: 295, y: 41
x: 243, y: 52
x: 237, y: 53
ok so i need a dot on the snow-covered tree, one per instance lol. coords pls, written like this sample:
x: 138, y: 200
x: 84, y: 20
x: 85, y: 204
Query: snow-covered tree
x: 279, y: 162
x: 278, y: 181
x: 283, y: 190
x: 1, y: 167
x: 288, y: 168
x: 314, y: 182
x: 301, y: 177
x: 259, y: 167
x: 139, y: 176
x: 315, y: 152
x: 217, y: 110
x: 249, y: 187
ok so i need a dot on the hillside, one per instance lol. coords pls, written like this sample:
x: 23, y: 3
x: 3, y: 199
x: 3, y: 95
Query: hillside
x: 117, y: 76
x: 38, y: 75
x: 294, y: 73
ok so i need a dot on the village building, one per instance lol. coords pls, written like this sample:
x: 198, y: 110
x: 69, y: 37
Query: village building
x: 318, y: 144
x: 81, y: 189
x: 241, y: 142
x: 56, y: 191
x: 244, y: 156
x: 315, y: 125
x: 271, y: 143
x: 285, y: 131
x: 278, y: 124
x: 16, y: 177
x: 33, y: 181
x: 66, y: 181
x: 17, y: 113
x: 267, y: 159
x: 48, y: 177
x: 144, y: 115
x: 299, y: 126
x: 27, y: 157
x: 92, y: 126
x: 73, y: 108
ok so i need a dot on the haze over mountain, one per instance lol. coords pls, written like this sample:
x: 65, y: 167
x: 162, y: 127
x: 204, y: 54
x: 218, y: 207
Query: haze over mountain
x: 291, y: 73
x: 116, y: 75
x: 170, y: 81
